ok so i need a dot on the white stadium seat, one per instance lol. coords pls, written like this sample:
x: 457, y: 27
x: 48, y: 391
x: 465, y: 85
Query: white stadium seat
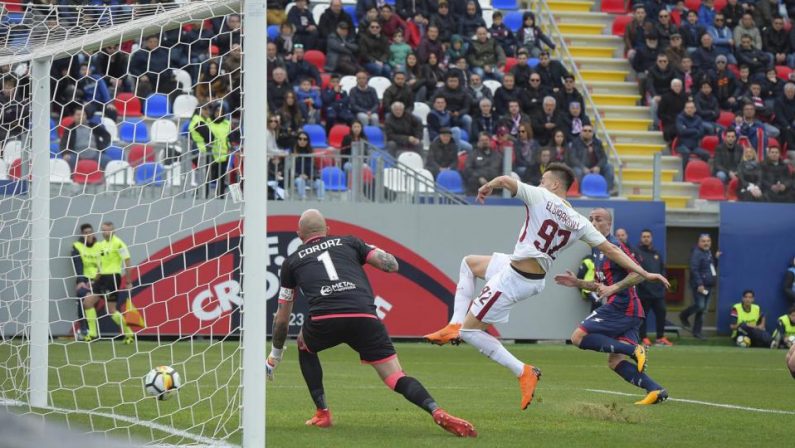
x: 421, y: 111
x: 185, y: 105
x: 411, y: 160
x: 380, y: 84
x: 164, y: 131
x: 60, y: 172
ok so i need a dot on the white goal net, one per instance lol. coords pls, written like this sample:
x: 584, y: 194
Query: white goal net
x: 122, y: 217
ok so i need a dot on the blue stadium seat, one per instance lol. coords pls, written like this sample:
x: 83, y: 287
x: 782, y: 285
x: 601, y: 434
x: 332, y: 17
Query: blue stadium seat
x: 133, y: 132
x: 14, y: 18
x: 351, y: 10
x: 317, y: 135
x: 532, y: 62
x: 55, y: 149
x: 594, y: 186
x: 157, y: 106
x: 53, y: 130
x: 114, y: 153
x: 450, y: 180
x: 389, y: 161
x: 464, y: 135
x: 513, y: 20
x: 13, y: 187
x: 150, y: 173
x: 334, y: 179
x: 184, y: 128
x: 375, y: 136
x: 509, y: 5
x: 273, y: 32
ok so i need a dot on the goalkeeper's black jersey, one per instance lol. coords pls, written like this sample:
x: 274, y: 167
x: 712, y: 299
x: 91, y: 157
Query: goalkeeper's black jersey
x: 328, y: 272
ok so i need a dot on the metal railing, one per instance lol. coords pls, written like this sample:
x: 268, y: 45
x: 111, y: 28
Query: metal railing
x: 368, y: 174
x: 546, y: 18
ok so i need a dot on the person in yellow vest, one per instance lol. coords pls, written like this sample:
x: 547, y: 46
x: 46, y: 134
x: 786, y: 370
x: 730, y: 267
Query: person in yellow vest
x: 785, y: 330
x: 219, y: 145
x: 587, y: 273
x: 113, y: 261
x: 749, y: 320
x: 85, y: 258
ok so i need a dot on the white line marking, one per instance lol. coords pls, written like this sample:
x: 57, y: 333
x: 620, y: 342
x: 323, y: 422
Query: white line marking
x: 152, y: 425
x: 705, y: 403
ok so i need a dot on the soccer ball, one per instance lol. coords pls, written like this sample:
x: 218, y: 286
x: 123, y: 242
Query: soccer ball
x: 161, y: 382
x: 743, y: 341
x: 790, y: 341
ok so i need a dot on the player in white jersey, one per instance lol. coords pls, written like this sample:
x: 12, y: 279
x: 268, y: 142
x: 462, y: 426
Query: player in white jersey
x: 550, y: 225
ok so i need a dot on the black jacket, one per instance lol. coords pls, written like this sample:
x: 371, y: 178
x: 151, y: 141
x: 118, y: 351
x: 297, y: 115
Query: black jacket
x: 441, y: 156
x: 726, y: 160
x: 702, y: 272
x: 651, y: 260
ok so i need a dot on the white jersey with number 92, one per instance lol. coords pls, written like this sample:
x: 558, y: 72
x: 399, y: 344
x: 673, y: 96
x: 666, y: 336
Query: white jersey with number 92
x: 550, y: 226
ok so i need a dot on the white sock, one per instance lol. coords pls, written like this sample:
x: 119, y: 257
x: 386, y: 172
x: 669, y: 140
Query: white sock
x: 464, y: 293
x: 491, y: 347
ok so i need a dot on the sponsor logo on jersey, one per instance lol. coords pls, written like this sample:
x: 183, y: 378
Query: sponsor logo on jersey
x: 337, y: 287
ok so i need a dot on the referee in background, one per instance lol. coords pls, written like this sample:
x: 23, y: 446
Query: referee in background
x: 113, y: 261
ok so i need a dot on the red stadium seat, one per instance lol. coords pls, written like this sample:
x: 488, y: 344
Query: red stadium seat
x: 693, y: 5
x: 574, y: 190
x: 711, y: 189
x: 14, y: 5
x: 720, y: 4
x: 127, y: 105
x: 325, y: 79
x: 316, y: 58
x: 676, y: 17
x: 734, y: 69
x: 65, y: 123
x: 772, y: 142
x: 139, y: 154
x: 367, y: 176
x: 462, y: 161
x: 323, y: 158
x: 337, y: 134
x: 15, y: 170
x: 783, y: 72
x: 88, y: 172
x: 620, y: 25
x: 726, y: 119
x: 709, y: 142
x: 732, y: 190
x: 509, y: 63
x: 615, y: 6
x: 697, y: 171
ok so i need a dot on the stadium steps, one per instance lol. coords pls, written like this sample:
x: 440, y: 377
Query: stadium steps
x: 584, y: 18
x: 615, y: 88
x: 581, y: 28
x: 610, y: 80
x: 570, y: 5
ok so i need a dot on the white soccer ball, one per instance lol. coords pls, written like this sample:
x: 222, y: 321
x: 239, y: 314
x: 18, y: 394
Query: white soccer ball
x: 743, y: 341
x: 161, y: 382
x: 790, y: 341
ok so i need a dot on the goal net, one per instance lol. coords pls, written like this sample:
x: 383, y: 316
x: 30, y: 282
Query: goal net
x: 122, y: 216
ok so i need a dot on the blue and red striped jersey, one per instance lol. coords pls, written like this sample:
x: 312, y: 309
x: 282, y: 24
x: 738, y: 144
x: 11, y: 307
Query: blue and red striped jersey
x: 609, y: 272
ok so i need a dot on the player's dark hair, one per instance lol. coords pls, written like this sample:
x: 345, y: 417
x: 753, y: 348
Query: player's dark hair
x: 564, y: 173
x: 749, y: 291
x: 646, y: 230
x: 791, y: 309
x: 85, y: 226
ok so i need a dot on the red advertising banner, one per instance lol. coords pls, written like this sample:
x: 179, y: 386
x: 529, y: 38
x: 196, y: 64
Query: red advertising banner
x: 193, y: 286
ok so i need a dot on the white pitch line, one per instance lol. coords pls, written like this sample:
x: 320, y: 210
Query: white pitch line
x: 152, y: 425
x: 705, y: 403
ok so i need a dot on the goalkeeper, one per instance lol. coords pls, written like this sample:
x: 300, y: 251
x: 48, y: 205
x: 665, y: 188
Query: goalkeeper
x: 114, y: 260
x: 85, y: 257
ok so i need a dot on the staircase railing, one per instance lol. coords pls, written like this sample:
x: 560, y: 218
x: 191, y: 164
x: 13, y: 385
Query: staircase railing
x: 546, y: 19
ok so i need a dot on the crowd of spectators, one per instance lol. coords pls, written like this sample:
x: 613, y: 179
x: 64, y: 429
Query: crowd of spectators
x: 726, y: 73
x: 442, y: 54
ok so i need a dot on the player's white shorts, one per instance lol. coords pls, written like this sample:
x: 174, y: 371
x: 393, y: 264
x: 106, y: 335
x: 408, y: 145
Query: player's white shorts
x: 504, y: 288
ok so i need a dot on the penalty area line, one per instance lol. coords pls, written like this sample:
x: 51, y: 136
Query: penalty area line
x: 132, y: 420
x: 703, y: 403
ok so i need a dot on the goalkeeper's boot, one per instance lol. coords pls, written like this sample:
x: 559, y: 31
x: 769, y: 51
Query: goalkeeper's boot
x: 450, y: 333
x: 454, y: 425
x: 528, y: 381
x: 129, y: 340
x: 640, y: 357
x: 654, y: 397
x: 90, y: 337
x: 321, y: 419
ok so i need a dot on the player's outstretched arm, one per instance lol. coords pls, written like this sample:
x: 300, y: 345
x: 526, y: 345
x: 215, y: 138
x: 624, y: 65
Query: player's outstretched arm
x: 614, y: 253
x: 383, y: 260
x: 506, y: 182
x: 281, y: 323
x: 630, y: 280
x: 570, y: 280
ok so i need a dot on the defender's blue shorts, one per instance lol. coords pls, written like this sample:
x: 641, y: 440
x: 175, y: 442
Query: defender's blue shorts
x: 612, y: 322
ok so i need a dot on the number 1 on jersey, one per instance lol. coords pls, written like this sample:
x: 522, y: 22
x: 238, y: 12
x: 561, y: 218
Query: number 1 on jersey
x: 325, y: 258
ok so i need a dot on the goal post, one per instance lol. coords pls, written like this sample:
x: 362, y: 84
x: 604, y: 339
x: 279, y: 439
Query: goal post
x: 103, y: 134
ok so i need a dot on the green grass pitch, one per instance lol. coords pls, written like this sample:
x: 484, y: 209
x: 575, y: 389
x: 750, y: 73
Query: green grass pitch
x: 367, y: 414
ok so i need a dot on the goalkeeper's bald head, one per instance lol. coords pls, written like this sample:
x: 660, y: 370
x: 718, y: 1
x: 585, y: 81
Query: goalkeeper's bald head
x: 311, y: 224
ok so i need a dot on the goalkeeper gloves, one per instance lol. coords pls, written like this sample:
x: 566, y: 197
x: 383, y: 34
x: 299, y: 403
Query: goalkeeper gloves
x: 273, y: 361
